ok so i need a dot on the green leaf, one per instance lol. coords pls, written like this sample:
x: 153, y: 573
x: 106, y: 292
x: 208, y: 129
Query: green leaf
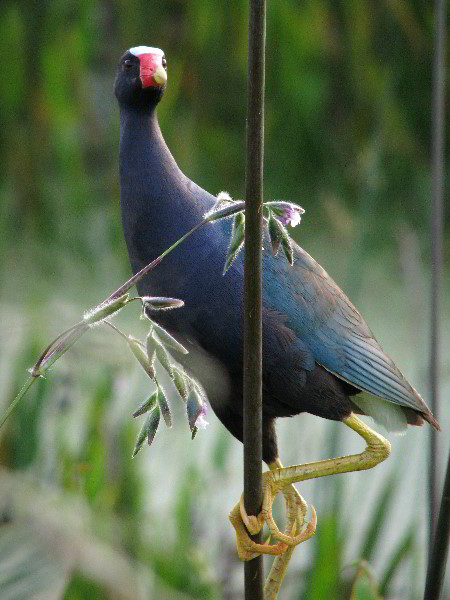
x: 180, y: 383
x: 166, y: 339
x: 30, y: 567
x: 141, y: 355
x: 378, y: 518
x: 149, y: 404
x: 275, y: 233
x: 148, y: 430
x: 323, y: 578
x: 364, y: 586
x: 154, y: 345
x: 164, y: 406
x: 237, y: 240
x: 286, y: 244
x: 402, y: 552
x: 154, y: 418
x: 279, y: 235
x: 194, y: 408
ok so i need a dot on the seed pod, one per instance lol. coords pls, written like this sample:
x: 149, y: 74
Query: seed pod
x: 142, y: 357
x: 100, y: 312
x: 161, y: 303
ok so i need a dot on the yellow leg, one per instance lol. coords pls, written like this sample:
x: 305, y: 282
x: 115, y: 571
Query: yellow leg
x: 377, y: 450
x: 274, y: 481
x: 296, y: 509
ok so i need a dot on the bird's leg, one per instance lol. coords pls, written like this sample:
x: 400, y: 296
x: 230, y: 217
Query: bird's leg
x: 377, y: 450
x: 296, y: 506
x: 296, y: 509
x: 274, y: 481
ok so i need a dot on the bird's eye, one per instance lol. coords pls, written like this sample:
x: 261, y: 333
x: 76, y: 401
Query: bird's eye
x: 128, y: 63
x: 164, y: 62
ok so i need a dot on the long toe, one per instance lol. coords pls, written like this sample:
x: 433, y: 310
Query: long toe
x: 296, y: 506
x: 246, y: 548
x: 294, y: 534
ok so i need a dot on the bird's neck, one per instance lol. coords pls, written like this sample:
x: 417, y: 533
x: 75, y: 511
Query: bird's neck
x: 141, y: 140
x: 157, y: 203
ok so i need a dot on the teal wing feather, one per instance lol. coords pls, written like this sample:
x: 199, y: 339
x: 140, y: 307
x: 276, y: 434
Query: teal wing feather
x: 323, y: 317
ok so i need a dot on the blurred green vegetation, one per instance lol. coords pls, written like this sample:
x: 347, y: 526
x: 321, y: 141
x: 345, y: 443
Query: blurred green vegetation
x: 348, y: 113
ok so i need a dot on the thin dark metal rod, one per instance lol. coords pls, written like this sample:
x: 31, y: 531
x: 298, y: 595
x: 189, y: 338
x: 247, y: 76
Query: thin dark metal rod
x: 253, y: 285
x: 437, y: 143
x: 439, y: 550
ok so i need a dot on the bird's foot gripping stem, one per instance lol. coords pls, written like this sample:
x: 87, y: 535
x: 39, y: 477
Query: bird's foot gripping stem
x: 280, y: 479
x: 296, y: 509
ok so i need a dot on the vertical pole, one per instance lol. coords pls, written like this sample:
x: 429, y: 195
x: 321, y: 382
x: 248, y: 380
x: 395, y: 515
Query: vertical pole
x: 253, y: 285
x: 437, y: 142
x: 439, y: 550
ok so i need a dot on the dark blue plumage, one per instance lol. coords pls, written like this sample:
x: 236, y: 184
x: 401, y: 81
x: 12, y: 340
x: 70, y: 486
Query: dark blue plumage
x: 318, y: 353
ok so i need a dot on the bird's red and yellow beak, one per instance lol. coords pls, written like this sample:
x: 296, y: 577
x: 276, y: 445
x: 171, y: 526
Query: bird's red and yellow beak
x: 152, y: 73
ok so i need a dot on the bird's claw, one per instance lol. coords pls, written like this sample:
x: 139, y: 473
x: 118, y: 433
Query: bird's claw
x: 246, y: 548
x: 296, y: 510
x: 253, y: 523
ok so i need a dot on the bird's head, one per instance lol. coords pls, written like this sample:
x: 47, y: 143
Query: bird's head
x: 141, y: 77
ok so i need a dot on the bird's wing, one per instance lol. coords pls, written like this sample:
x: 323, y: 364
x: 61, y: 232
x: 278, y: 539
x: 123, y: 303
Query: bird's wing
x: 324, y: 318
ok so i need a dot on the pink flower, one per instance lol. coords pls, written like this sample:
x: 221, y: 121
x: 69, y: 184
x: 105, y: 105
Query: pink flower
x: 196, y: 410
x: 286, y: 212
x: 201, y: 422
x: 291, y: 214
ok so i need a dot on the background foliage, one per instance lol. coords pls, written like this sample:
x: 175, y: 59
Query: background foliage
x: 348, y: 113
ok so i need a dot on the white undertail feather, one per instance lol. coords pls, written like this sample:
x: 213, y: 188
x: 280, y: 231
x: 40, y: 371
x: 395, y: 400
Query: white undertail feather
x: 387, y: 414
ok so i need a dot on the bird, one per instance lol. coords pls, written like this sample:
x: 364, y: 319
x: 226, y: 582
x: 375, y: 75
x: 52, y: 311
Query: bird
x: 319, y: 355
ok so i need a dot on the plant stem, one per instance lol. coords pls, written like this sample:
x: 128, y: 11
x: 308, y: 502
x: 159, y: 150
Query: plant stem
x: 439, y: 549
x: 29, y: 382
x: 121, y: 333
x: 253, y: 286
x: 437, y: 143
